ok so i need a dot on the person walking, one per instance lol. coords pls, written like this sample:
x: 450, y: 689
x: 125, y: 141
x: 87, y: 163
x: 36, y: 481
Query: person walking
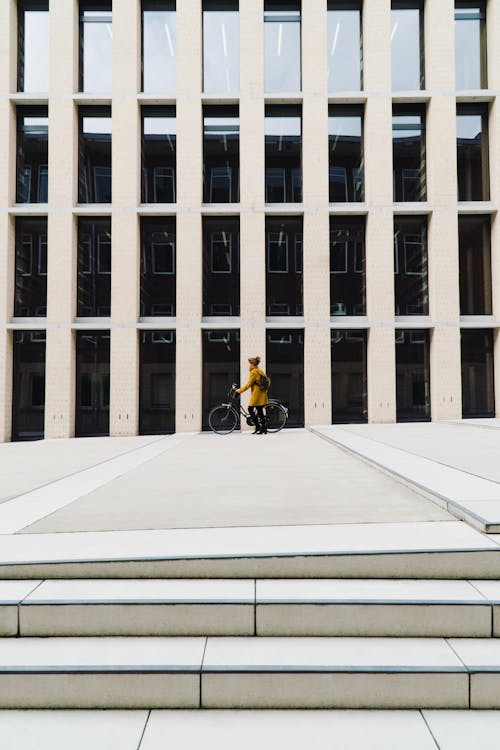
x: 259, y: 384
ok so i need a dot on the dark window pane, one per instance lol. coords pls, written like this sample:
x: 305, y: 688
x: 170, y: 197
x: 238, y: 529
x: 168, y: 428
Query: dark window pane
x: 32, y: 154
x: 470, y: 45
x: 92, y: 383
x: 96, y: 45
x: 345, y: 149
x: 475, y: 265
x: 158, y: 155
x: 157, y: 382
x: 33, y: 46
x: 221, y: 266
x: 413, y: 403
x: 158, y: 266
x: 284, y: 286
x: 221, y: 367
x: 221, y: 155
x: 94, y: 267
x: 283, y: 130
x: 285, y: 367
x: 282, y: 46
x: 349, y: 379
x: 478, y: 389
x: 410, y: 265
x: 472, y: 153
x: 344, y: 46
x: 407, y: 47
x: 408, y: 148
x: 31, y: 267
x: 94, y: 171
x: 221, y: 47
x: 159, y: 46
x: 347, y: 265
x: 28, y: 385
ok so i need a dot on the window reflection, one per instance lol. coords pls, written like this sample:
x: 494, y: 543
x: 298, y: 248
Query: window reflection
x: 411, y: 292
x: 93, y: 297
x: 282, y: 46
x: 158, y: 266
x: 478, y: 386
x: 472, y: 153
x: 408, y: 149
x: 33, y: 46
x: 221, y: 155
x: 92, y: 383
x: 157, y: 383
x: 30, y: 299
x: 407, y: 43
x: 349, y: 376
x: 221, y: 367
x: 28, y: 385
x: 347, y: 266
x: 221, y: 47
x: 221, y: 266
x: 475, y: 265
x: 413, y: 401
x: 285, y: 366
x: 344, y: 47
x: 96, y: 35
x: 283, y: 133
x: 158, y: 155
x: 159, y: 45
x: 284, y: 287
x: 94, y: 171
x: 470, y: 45
x: 345, y: 150
x: 32, y: 155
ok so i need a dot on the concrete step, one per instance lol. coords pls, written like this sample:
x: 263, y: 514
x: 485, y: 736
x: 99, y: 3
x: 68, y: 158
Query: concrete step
x: 235, y: 607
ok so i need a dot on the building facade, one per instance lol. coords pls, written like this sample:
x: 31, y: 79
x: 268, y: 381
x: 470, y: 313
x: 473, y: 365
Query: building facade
x: 187, y: 184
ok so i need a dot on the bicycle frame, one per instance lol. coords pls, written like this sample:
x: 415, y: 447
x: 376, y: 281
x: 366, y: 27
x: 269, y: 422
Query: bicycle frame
x: 241, y: 409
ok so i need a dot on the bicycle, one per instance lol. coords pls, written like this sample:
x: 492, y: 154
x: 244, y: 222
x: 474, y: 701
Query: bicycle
x: 223, y: 419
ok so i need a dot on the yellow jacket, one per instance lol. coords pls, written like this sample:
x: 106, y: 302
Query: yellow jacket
x: 258, y: 397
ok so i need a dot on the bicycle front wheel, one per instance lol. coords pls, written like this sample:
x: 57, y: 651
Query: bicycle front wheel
x: 276, y: 416
x: 223, y: 419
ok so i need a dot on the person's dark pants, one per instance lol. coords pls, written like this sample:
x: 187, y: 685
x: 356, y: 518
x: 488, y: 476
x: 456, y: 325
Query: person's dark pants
x: 259, y: 418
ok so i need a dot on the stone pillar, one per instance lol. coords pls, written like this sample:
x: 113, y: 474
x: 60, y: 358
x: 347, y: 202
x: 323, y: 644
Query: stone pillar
x: 493, y: 54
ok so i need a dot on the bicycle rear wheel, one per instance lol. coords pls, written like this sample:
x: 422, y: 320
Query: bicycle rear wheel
x: 223, y: 419
x: 276, y: 416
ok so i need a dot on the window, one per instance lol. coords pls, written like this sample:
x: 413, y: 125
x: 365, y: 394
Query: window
x: 407, y: 46
x: 96, y: 45
x: 408, y: 149
x: 32, y: 154
x: 349, y: 376
x: 284, y: 285
x: 159, y: 45
x: 412, y: 376
x: 344, y: 46
x: 347, y: 265
x: 30, y: 297
x: 472, y: 153
x: 283, y: 133
x: 285, y: 367
x: 221, y: 267
x: 221, y: 367
x: 157, y: 382
x: 94, y: 171
x: 345, y: 154
x: 474, y: 233
x: 94, y: 267
x: 158, y: 155
x: 478, y: 385
x: 411, y: 292
x: 282, y: 46
x: 158, y: 266
x: 221, y: 155
x: 28, y: 385
x: 470, y: 45
x: 33, y: 46
x: 221, y: 47
x: 92, y: 383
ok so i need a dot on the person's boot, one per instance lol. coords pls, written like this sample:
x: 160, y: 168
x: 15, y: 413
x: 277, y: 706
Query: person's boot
x: 263, y: 425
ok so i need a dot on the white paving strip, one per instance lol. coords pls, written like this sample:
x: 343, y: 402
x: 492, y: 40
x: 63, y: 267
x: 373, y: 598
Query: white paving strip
x: 23, y: 510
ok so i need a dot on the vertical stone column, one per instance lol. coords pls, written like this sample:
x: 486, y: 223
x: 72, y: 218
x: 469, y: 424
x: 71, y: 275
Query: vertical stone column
x: 189, y: 197
x: 125, y: 281
x: 446, y: 396
x: 61, y: 268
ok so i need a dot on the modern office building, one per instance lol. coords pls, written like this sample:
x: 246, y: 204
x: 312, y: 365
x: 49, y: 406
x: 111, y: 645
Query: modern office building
x: 187, y: 184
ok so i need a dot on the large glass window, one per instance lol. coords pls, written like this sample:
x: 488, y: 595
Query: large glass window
x: 475, y: 265
x: 221, y: 47
x: 285, y: 367
x: 94, y: 157
x: 470, y: 45
x: 411, y: 292
x: 221, y: 155
x: 93, y: 296
x: 30, y: 298
x: 478, y: 386
x: 159, y: 44
x: 472, y: 153
x: 32, y: 155
x: 347, y: 265
x: 221, y: 265
x: 92, y: 383
x: 407, y: 46
x: 284, y: 285
x: 221, y: 368
x: 283, y: 129
x: 408, y: 153
x: 28, y: 385
x: 96, y: 45
x: 282, y: 45
x: 349, y: 379
x: 158, y: 266
x: 157, y: 383
x: 345, y: 154
x: 413, y: 400
x: 344, y: 46
x: 158, y: 155
x: 33, y: 46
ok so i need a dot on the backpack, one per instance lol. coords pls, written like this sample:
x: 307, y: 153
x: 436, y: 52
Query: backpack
x: 264, y: 383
